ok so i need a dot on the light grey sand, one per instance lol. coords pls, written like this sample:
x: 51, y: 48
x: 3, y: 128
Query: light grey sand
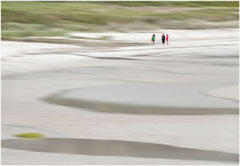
x: 33, y: 74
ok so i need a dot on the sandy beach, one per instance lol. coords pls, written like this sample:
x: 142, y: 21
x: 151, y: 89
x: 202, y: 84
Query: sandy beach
x: 122, y: 100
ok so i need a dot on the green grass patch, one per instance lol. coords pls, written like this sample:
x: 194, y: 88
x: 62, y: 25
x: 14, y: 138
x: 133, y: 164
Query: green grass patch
x: 30, y: 135
x: 174, y: 3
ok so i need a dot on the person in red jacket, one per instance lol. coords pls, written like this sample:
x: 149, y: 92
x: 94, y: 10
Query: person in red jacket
x: 167, y: 37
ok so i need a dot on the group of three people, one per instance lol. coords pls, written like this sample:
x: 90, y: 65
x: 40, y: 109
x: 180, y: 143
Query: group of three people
x: 163, y: 38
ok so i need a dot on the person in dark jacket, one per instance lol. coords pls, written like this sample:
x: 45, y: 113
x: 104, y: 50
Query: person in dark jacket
x: 163, y: 39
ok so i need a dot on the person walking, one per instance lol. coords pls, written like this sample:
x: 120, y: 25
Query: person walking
x: 163, y: 39
x: 153, y: 39
x: 167, y: 37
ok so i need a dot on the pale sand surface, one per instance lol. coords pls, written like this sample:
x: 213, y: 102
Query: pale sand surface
x: 29, y: 77
x: 230, y: 92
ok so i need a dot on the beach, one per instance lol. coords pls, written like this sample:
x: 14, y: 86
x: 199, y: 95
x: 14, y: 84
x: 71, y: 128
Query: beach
x: 122, y: 100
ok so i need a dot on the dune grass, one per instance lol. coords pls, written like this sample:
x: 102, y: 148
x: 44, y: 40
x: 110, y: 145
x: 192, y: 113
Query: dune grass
x: 30, y: 135
x: 21, y: 19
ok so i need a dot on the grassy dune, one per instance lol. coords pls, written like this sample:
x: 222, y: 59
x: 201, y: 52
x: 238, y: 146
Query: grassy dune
x: 21, y: 19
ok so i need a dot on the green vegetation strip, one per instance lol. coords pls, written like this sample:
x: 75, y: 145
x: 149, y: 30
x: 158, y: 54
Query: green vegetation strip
x: 21, y: 19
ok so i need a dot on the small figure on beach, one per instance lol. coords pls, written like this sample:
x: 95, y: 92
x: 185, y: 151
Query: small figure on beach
x: 153, y: 39
x: 167, y: 37
x: 163, y: 39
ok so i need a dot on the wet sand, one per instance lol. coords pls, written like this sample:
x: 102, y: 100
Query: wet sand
x: 45, y: 71
x: 117, y: 148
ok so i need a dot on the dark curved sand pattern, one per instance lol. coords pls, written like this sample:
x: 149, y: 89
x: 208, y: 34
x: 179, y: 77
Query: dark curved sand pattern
x: 147, y: 98
x: 135, y: 109
x: 117, y: 148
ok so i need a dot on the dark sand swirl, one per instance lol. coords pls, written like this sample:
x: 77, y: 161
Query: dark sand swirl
x: 108, y: 107
x: 178, y: 98
x: 117, y: 148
